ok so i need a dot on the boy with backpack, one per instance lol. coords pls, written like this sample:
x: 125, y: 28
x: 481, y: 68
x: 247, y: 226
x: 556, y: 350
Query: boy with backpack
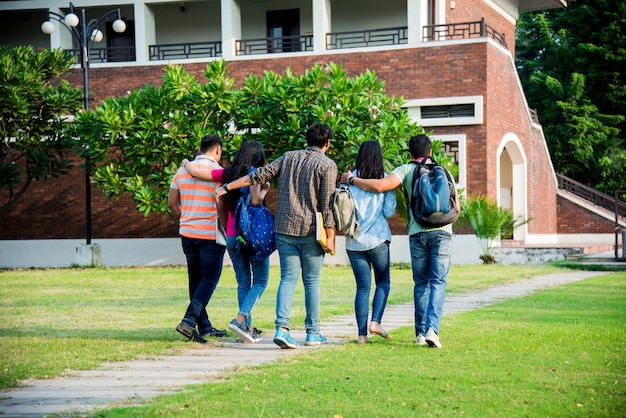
x: 429, y: 245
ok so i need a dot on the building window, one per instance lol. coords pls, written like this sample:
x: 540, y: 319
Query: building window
x: 446, y: 111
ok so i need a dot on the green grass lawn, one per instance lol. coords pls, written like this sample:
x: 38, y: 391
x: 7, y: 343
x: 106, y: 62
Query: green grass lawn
x: 58, y: 320
x: 559, y: 352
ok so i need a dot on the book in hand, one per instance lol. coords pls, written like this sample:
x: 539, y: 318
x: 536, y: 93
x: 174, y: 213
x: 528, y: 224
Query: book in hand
x: 320, y: 230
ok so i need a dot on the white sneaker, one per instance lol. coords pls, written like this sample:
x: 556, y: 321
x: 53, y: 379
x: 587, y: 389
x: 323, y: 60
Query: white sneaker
x: 420, y: 340
x: 432, y: 339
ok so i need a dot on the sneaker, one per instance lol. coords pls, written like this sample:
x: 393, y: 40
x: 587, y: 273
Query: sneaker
x: 190, y: 332
x: 256, y: 335
x: 420, y: 340
x: 241, y: 330
x: 283, y: 339
x: 432, y: 339
x: 315, y: 339
x: 213, y: 332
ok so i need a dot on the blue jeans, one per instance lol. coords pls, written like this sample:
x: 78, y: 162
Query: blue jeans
x: 378, y: 259
x: 204, y: 268
x: 252, y: 278
x: 299, y: 255
x: 430, y: 261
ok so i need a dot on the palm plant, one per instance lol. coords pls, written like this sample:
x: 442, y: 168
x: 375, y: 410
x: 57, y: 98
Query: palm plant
x: 490, y: 223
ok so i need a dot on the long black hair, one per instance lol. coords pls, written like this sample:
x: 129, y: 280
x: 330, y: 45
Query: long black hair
x: 250, y: 155
x: 369, y: 161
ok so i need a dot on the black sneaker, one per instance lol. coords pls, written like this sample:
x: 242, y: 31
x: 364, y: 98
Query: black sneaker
x: 256, y: 335
x: 213, y: 332
x: 190, y: 332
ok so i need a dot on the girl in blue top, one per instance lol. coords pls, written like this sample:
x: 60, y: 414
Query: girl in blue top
x: 370, y: 249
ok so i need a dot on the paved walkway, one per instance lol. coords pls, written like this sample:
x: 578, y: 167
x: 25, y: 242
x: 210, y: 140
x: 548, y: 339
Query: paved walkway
x: 134, y: 380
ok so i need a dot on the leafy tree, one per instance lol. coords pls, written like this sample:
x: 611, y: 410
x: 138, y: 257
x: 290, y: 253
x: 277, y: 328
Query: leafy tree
x: 571, y: 64
x: 139, y: 140
x: 490, y: 223
x: 36, y: 139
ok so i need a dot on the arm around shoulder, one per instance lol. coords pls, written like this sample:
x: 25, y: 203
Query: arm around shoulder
x: 377, y: 185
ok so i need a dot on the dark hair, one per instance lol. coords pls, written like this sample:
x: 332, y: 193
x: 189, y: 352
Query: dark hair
x: 209, y: 142
x: 420, y: 146
x: 369, y: 161
x: 249, y: 155
x: 318, y: 135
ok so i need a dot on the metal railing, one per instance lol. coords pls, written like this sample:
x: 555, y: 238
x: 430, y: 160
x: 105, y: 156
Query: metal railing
x: 109, y: 54
x: 464, y: 30
x: 366, y: 38
x: 274, y: 45
x: 185, y: 50
x: 593, y: 196
x: 620, y: 231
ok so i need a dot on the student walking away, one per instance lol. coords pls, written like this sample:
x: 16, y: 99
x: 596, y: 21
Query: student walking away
x: 370, y: 249
x: 430, y: 246
x: 193, y: 203
x: 252, y: 275
x: 306, y: 181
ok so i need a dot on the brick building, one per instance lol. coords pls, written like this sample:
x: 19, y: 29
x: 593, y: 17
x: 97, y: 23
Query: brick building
x: 452, y: 61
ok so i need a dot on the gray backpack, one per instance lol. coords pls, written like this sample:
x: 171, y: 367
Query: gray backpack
x: 344, y: 211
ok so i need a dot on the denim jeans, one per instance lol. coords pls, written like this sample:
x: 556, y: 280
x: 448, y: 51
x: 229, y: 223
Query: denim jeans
x: 361, y: 261
x: 299, y: 255
x: 204, y: 268
x: 252, y: 278
x: 430, y: 261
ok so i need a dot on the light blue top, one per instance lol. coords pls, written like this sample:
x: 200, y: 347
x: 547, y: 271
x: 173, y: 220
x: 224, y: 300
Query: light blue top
x: 372, y: 212
x: 405, y: 172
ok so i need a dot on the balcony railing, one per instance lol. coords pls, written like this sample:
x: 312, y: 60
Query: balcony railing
x: 274, y: 45
x: 592, y: 195
x: 463, y: 30
x: 298, y: 43
x: 185, y: 51
x: 365, y: 38
x: 110, y: 54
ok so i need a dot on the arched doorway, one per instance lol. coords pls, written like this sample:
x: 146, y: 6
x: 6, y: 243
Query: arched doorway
x: 512, y: 180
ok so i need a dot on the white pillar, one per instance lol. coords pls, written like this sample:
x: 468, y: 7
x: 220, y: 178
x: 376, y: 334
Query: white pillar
x: 145, y: 31
x: 231, y: 27
x: 321, y: 24
x: 61, y: 37
x: 417, y: 18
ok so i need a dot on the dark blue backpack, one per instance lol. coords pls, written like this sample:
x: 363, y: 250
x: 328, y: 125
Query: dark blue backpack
x: 433, y: 195
x: 254, y: 226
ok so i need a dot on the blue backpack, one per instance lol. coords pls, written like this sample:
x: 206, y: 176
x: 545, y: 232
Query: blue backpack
x: 254, y: 226
x: 433, y: 195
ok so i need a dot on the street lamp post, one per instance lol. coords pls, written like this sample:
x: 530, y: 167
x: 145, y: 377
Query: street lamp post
x: 84, y: 34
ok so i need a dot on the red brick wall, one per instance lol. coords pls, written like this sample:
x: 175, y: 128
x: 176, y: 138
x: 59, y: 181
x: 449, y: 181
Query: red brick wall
x: 55, y: 208
x: 574, y: 219
x: 473, y: 11
x: 505, y: 109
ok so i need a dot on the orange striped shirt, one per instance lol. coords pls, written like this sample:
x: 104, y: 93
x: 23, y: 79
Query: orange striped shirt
x: 198, y: 208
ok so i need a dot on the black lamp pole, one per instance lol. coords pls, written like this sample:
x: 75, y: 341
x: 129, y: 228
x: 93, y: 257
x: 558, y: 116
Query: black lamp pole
x: 82, y: 31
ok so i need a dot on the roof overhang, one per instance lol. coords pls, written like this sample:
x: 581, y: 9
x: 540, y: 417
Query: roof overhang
x: 529, y: 5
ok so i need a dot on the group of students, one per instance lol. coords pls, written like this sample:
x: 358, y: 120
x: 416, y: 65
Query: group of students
x: 306, y: 181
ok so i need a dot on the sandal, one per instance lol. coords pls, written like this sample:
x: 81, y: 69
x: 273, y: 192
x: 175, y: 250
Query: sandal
x: 381, y: 333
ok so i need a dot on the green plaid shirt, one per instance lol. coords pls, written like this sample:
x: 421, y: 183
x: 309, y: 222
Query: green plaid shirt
x: 306, y: 182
